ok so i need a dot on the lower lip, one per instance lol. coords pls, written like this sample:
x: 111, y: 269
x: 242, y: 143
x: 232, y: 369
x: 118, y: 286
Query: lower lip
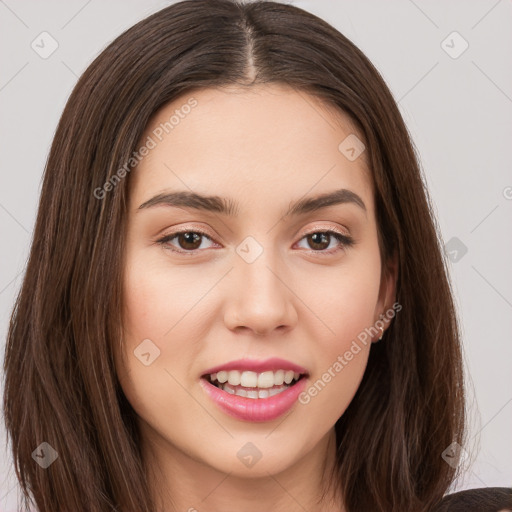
x: 255, y: 409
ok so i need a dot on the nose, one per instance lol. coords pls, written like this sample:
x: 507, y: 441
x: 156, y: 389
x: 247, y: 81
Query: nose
x: 261, y: 299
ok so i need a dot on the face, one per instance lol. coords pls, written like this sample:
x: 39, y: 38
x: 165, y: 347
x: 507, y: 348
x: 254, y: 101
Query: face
x: 252, y: 285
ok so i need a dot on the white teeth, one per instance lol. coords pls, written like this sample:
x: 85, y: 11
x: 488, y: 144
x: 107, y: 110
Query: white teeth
x: 249, y: 379
x: 288, y: 376
x: 279, y: 377
x: 266, y: 380
x: 222, y: 376
x: 234, y: 377
x: 275, y: 391
x: 253, y: 393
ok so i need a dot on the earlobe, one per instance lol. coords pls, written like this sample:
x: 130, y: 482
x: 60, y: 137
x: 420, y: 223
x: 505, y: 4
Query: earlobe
x: 378, y: 326
x: 381, y: 329
x: 390, y: 279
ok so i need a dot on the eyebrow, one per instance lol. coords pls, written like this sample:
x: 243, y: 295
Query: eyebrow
x: 229, y: 207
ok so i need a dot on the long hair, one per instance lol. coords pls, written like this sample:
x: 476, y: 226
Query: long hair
x: 60, y: 381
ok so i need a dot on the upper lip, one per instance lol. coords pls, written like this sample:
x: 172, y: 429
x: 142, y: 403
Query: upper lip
x: 258, y: 366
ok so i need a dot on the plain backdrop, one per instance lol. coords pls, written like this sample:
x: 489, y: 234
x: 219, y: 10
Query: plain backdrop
x: 448, y: 66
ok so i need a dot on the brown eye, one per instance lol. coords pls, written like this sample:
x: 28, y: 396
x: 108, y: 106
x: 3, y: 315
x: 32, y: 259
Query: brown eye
x: 319, y: 241
x: 185, y: 241
x: 189, y: 240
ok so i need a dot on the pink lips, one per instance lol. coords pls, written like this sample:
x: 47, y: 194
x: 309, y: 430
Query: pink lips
x: 255, y: 409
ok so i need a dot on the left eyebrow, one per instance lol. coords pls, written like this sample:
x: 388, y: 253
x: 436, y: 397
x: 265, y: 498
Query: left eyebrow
x: 341, y: 196
x: 230, y: 207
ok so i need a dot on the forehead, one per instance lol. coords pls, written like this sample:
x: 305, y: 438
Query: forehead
x: 262, y: 142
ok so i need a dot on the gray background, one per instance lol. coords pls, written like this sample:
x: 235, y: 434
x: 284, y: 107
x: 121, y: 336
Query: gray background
x: 458, y: 110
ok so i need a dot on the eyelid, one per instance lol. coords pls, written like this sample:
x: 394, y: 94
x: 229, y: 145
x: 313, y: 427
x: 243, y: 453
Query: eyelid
x: 313, y: 229
x: 317, y: 229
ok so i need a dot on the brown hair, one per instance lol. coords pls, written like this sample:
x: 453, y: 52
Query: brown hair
x: 60, y: 380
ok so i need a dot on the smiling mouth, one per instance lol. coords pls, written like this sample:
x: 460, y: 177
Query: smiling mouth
x: 254, y: 385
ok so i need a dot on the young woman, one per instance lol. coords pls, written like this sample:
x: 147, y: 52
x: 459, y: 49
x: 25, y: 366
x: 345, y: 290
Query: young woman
x: 236, y: 297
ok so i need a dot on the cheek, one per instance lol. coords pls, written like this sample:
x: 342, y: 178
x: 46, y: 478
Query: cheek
x: 340, y: 358
x: 162, y: 304
x: 146, y: 305
x: 346, y: 302
x: 342, y: 343
x: 156, y: 304
x: 160, y: 300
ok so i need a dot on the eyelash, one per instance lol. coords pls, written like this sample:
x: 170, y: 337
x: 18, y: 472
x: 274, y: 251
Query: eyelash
x: 345, y: 241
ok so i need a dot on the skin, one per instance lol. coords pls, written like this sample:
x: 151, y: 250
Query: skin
x: 264, y: 146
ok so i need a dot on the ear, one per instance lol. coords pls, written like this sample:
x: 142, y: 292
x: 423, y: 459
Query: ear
x: 387, y: 291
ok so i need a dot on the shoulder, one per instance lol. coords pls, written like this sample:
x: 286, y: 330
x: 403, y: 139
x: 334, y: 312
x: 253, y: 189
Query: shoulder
x: 486, y: 499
